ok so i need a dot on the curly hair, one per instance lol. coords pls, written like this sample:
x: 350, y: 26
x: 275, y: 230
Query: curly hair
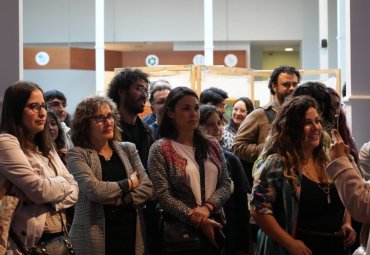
x: 87, y: 109
x: 287, y: 134
x: 15, y: 99
x: 123, y: 81
x: 276, y: 73
x: 319, y: 92
x: 167, y: 127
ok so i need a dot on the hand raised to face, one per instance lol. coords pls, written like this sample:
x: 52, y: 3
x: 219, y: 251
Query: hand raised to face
x: 337, y: 148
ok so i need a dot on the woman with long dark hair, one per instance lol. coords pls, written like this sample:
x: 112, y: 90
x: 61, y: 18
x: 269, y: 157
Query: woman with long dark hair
x: 176, y: 161
x: 294, y: 201
x: 33, y: 168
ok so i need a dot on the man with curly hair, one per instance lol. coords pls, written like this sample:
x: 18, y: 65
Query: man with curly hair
x: 129, y: 90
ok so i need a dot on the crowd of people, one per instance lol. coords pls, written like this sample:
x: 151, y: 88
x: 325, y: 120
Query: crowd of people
x: 284, y: 178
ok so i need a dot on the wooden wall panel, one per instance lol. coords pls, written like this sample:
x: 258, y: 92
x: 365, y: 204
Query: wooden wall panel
x: 59, y: 58
x: 84, y: 59
x: 137, y: 58
x: 113, y: 59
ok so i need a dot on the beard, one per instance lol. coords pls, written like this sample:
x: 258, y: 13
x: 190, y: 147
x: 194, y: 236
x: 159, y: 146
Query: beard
x: 282, y: 96
x: 134, y: 106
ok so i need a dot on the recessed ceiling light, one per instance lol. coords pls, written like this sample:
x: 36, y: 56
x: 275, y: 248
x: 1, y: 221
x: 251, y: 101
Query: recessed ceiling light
x: 288, y: 49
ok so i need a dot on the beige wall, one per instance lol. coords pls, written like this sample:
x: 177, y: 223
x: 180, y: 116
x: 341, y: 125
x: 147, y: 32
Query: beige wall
x: 272, y: 60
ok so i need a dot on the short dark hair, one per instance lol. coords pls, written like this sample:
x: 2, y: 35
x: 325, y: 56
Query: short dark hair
x: 123, y: 80
x: 51, y: 94
x: 213, y: 95
x: 15, y: 99
x: 157, y: 89
x: 276, y: 73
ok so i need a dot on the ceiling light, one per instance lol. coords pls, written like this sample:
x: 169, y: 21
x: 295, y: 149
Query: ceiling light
x: 288, y: 49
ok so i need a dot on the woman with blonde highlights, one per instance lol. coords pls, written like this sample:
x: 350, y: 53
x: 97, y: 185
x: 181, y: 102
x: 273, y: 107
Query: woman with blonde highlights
x: 113, y: 183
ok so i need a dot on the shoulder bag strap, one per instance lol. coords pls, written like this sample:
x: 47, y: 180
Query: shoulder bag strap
x: 17, y: 241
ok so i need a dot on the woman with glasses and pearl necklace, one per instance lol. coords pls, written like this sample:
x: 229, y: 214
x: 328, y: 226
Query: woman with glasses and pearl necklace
x: 32, y: 170
x: 293, y: 200
x: 112, y: 180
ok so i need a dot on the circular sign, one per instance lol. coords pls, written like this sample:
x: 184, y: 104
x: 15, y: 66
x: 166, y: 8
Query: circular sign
x: 230, y: 60
x: 42, y: 58
x: 152, y: 60
x: 198, y: 59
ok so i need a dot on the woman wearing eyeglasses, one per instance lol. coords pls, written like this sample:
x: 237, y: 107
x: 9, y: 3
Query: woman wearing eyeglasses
x: 32, y: 169
x: 112, y: 181
x: 241, y: 108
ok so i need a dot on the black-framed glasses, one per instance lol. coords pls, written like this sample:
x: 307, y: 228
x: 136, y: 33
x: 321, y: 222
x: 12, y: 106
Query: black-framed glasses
x: 101, y: 119
x: 142, y: 90
x: 36, y: 107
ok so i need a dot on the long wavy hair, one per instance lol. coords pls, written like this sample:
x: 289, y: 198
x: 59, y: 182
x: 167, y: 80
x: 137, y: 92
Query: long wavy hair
x: 60, y: 140
x: 87, y: 109
x: 15, y: 99
x: 167, y: 127
x: 287, y: 135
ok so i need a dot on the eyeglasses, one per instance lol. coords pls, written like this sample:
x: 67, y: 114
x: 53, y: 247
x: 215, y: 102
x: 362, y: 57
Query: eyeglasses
x: 36, y: 107
x: 101, y: 119
x: 142, y: 89
x: 235, y: 109
x: 57, y: 104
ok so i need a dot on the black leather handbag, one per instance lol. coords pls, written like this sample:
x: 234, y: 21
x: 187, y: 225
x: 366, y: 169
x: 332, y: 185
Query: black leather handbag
x: 179, y: 237
x: 59, y: 245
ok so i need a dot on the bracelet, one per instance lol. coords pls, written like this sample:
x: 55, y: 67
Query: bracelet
x: 208, y: 207
x: 132, y: 184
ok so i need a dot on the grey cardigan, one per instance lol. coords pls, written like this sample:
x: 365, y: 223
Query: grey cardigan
x: 167, y: 170
x: 88, y: 227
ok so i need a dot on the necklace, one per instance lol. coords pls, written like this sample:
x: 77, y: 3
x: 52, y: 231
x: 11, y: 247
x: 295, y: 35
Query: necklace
x: 325, y: 187
x: 107, y: 158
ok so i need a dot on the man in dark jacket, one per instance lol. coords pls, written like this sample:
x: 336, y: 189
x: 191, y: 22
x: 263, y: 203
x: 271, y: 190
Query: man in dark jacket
x: 129, y: 90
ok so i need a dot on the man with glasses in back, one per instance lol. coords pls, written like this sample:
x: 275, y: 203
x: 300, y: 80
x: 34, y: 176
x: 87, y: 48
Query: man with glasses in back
x: 129, y: 90
x: 56, y: 102
x: 157, y: 100
x: 151, y: 117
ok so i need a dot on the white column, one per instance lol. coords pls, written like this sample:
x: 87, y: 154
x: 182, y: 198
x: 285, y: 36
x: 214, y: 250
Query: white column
x: 208, y: 32
x: 323, y: 33
x: 21, y: 66
x: 99, y: 47
x: 341, y: 35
